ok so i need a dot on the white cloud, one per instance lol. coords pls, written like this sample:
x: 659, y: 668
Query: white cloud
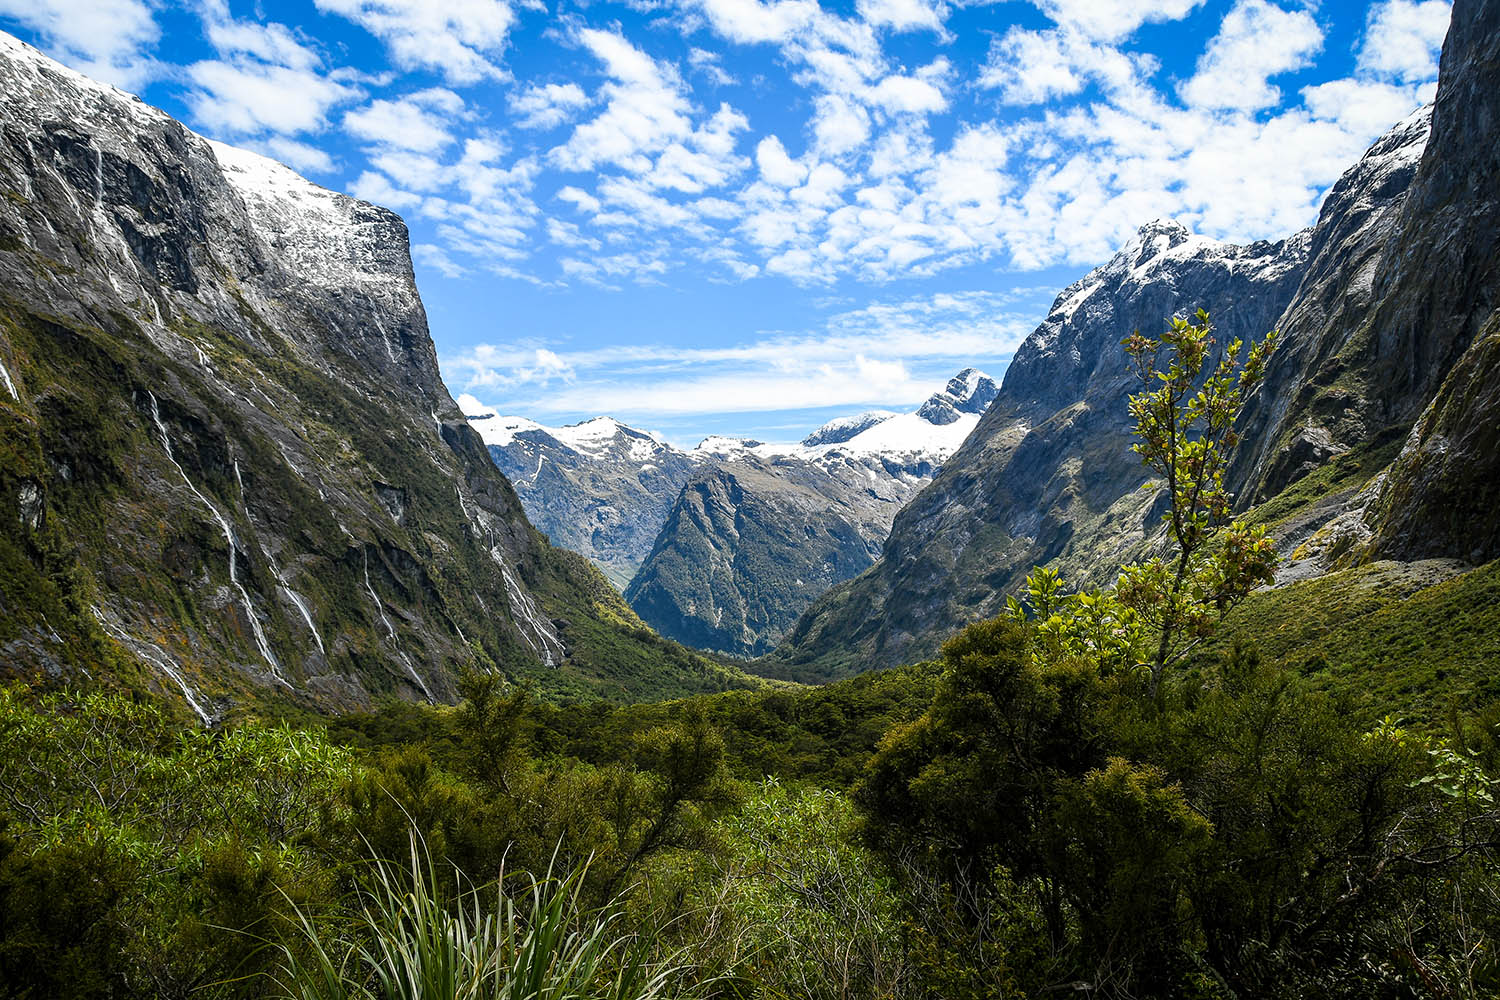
x: 1362, y: 107
x: 548, y: 106
x: 709, y: 64
x: 377, y: 188
x: 435, y: 257
x: 300, y: 156
x: 908, y: 94
x: 750, y: 21
x: 887, y: 354
x: 1257, y: 40
x: 243, y: 97
x: 272, y: 43
x: 1033, y: 67
x: 707, y: 158
x: 903, y: 15
x: 418, y: 122
x: 458, y: 39
x: 1404, y: 38
x: 580, y: 199
x: 776, y: 166
x: 1112, y: 20
x: 108, y: 40
x: 839, y: 125
x: 645, y: 110
x: 412, y: 171
x: 267, y: 85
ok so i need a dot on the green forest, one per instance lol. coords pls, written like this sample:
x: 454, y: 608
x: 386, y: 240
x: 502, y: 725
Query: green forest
x: 1182, y: 785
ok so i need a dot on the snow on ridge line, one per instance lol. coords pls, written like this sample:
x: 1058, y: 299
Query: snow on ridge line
x: 587, y: 437
x: 252, y: 175
x: 19, y: 54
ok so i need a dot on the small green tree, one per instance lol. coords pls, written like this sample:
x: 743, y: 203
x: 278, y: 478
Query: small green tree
x: 1187, y: 437
x: 1158, y: 610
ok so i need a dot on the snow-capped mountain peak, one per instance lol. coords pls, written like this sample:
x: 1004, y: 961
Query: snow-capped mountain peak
x: 841, y: 429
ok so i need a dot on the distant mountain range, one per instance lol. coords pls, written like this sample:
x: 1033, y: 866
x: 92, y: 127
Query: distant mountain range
x: 721, y: 546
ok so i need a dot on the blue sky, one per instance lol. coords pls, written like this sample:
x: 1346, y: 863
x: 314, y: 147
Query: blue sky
x: 733, y: 216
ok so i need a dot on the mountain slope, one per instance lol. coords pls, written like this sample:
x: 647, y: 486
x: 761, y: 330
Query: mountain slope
x: 598, y: 488
x: 1047, y: 475
x: 761, y: 530
x: 1390, y: 334
x: 234, y: 471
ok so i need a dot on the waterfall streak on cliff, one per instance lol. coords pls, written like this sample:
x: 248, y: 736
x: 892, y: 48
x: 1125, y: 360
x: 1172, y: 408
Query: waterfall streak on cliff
x: 234, y: 580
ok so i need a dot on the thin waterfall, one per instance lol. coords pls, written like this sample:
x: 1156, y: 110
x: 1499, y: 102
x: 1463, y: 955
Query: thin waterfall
x: 260, y: 635
x: 159, y: 658
x: 390, y: 631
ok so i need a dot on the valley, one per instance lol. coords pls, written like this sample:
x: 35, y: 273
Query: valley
x: 1166, y: 664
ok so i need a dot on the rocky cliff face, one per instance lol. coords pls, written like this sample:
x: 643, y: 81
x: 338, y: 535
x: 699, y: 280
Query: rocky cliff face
x: 1442, y: 495
x: 232, y: 470
x: 759, y: 531
x: 1387, y: 312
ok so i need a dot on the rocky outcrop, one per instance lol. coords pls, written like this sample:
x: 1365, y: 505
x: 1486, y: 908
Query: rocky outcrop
x: 1440, y: 497
x: 750, y: 543
x: 1047, y: 475
x: 233, y: 470
x: 1442, y: 494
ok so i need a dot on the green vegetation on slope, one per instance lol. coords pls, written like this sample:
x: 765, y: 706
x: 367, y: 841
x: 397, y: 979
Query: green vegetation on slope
x: 1416, y: 640
x: 106, y: 530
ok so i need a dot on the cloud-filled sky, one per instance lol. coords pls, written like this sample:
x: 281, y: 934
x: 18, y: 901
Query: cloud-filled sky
x: 739, y: 216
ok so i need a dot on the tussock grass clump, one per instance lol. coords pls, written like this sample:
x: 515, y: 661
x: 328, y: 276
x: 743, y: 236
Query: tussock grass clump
x: 413, y: 937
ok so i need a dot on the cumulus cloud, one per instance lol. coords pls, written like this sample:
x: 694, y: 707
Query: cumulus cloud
x: 435, y: 257
x: 246, y: 97
x: 1033, y: 67
x: 377, y: 188
x: 776, y: 166
x: 645, y: 109
x: 108, y: 40
x: 459, y: 39
x: 300, y: 156
x: 903, y: 15
x: 419, y: 122
x: 1112, y: 20
x: 267, y: 85
x: 1256, y: 41
x: 1404, y: 38
x: 548, y: 106
x: 711, y: 65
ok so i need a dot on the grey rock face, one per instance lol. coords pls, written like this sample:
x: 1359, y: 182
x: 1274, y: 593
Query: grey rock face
x: 845, y: 428
x: 603, y: 495
x: 751, y: 541
x: 1317, y: 402
x: 234, y: 463
x: 970, y: 391
x: 1442, y: 496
